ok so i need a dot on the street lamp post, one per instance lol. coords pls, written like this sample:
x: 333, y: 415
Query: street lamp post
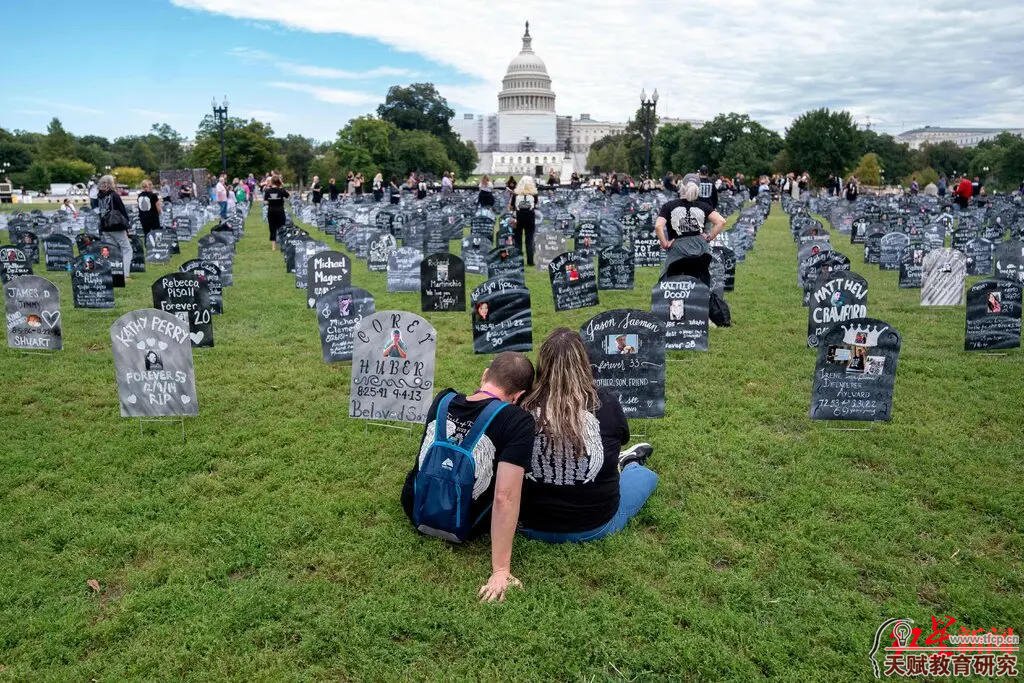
x: 221, y: 115
x: 648, y: 107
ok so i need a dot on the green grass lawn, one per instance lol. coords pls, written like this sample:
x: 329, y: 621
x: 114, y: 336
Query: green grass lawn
x: 272, y: 546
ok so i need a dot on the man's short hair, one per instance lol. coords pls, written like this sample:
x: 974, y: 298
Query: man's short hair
x: 511, y: 371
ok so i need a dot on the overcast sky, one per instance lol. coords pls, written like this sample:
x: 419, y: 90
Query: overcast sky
x: 307, y: 66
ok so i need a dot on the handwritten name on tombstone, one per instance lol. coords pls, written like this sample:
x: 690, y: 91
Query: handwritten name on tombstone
x: 548, y: 243
x: 153, y: 364
x: 404, y: 270
x: 221, y: 253
x: 474, y: 254
x: 728, y: 259
x: 505, y: 262
x: 647, y: 251
x: 326, y: 270
x: 979, y: 256
x: 303, y: 254
x: 159, y: 246
x: 855, y: 372
x: 993, y: 316
x: 681, y: 302
x: 379, y: 251
x: 208, y: 273
x: 615, y: 268
x: 942, y: 278
x: 442, y: 283
x: 338, y: 311
x: 32, y: 305
x: 1009, y: 261
x: 573, y: 281
x: 92, y: 285
x: 586, y: 239
x: 392, y: 367
x: 835, y: 298
x: 60, y: 252
x: 873, y: 246
x: 502, y: 320
x: 14, y: 262
x: 187, y: 297
x: 912, y: 264
x: 892, y: 248
x: 627, y: 355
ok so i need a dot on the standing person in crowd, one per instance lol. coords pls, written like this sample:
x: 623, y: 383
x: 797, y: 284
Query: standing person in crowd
x: 69, y: 208
x: 524, y: 203
x: 114, y: 220
x: 915, y: 187
x: 942, y: 186
x: 274, y: 196
x: 574, y: 180
x: 220, y: 193
x: 231, y: 197
x: 421, y: 188
x: 378, y: 187
x: 241, y: 192
x: 150, y: 207
x: 552, y: 179
x: 510, y: 187
x: 486, y: 197
x: 831, y: 184
x: 94, y: 193
x: 501, y: 456
x: 350, y: 184
x: 394, y: 191
x: 963, y: 192
x: 316, y: 191
x: 681, y: 231
x: 976, y: 187
x: 165, y: 192
x: 668, y: 182
x: 447, y: 186
x: 763, y: 186
x: 706, y: 187
x: 358, y: 184
x: 185, y: 191
x: 332, y: 190
x: 574, y: 490
x: 852, y: 189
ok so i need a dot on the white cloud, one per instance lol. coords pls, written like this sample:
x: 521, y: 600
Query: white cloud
x: 59, y: 106
x: 312, y: 71
x: 352, y: 98
x: 906, y: 64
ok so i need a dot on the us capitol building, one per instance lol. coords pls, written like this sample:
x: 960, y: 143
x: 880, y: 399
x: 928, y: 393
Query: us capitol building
x: 526, y: 135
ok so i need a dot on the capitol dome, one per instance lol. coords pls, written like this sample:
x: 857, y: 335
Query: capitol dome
x: 526, y: 86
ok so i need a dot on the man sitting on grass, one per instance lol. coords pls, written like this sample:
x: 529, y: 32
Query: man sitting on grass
x: 500, y: 458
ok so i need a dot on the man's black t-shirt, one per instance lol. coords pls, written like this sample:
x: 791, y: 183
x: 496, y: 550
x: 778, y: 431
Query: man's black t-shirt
x: 509, y: 438
x: 274, y: 197
x: 332, y: 191
x: 569, y: 493
x: 707, y: 191
x: 683, y: 216
x: 318, y: 193
x: 148, y: 216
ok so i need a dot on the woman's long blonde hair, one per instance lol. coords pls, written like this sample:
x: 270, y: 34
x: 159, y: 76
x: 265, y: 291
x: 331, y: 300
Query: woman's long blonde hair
x: 564, y: 390
x: 527, y: 185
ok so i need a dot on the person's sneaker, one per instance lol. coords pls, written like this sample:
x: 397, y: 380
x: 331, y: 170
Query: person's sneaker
x: 637, y: 453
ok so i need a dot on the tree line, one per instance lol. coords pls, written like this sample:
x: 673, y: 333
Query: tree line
x: 821, y: 142
x: 411, y: 131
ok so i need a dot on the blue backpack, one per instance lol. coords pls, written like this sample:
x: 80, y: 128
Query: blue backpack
x: 443, y: 488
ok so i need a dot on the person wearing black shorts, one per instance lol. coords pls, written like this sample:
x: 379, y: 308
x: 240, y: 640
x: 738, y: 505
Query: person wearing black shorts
x: 274, y: 196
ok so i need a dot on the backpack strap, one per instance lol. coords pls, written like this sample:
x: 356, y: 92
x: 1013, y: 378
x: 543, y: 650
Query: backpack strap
x: 481, y: 424
x: 441, y: 418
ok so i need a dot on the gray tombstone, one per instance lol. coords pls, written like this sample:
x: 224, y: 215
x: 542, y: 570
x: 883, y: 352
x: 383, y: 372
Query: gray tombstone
x: 474, y: 253
x: 682, y: 302
x: 153, y: 365
x: 942, y: 278
x: 379, y: 251
x: 32, y: 305
x: 548, y: 243
x: 573, y: 281
x: 835, y: 298
x: 505, y: 262
x: 855, y: 372
x: 627, y: 356
x: 1009, y: 261
x: 159, y: 246
x: 14, y: 262
x: 892, y: 247
x: 993, y: 316
x: 338, y: 311
x: 392, y: 367
x: 404, y: 270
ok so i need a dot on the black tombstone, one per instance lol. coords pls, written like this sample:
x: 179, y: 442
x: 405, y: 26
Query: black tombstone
x: 379, y: 251
x: 836, y: 297
x: 92, y: 285
x: 60, y: 252
x: 505, y: 262
x: 627, y: 356
x: 159, y: 246
x: 474, y: 253
x: 404, y: 270
x: 855, y: 371
x: 221, y: 253
x: 501, y: 316
x: 338, y: 311
x: 993, y: 316
x: 327, y: 270
x: 186, y: 297
x: 442, y: 283
x: 208, y: 273
x: 573, y: 281
x: 979, y: 256
x: 14, y: 262
x: 615, y: 268
x: 1009, y: 261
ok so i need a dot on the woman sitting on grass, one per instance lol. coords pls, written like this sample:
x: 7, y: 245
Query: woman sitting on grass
x: 579, y: 487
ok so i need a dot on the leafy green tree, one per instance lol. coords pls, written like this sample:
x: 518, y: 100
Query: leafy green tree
x: 923, y: 176
x: 1010, y: 170
x: 94, y: 154
x: 37, y: 177
x: 463, y: 154
x: 417, y: 107
x: 298, y: 155
x: 130, y: 176
x: 69, y: 170
x: 142, y: 156
x: 417, y: 150
x: 898, y: 160
x: 249, y: 145
x: 946, y: 157
x: 671, y: 149
x: 165, y: 144
x: 58, y: 143
x: 17, y: 154
x: 327, y: 166
x: 869, y: 170
x: 823, y: 142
